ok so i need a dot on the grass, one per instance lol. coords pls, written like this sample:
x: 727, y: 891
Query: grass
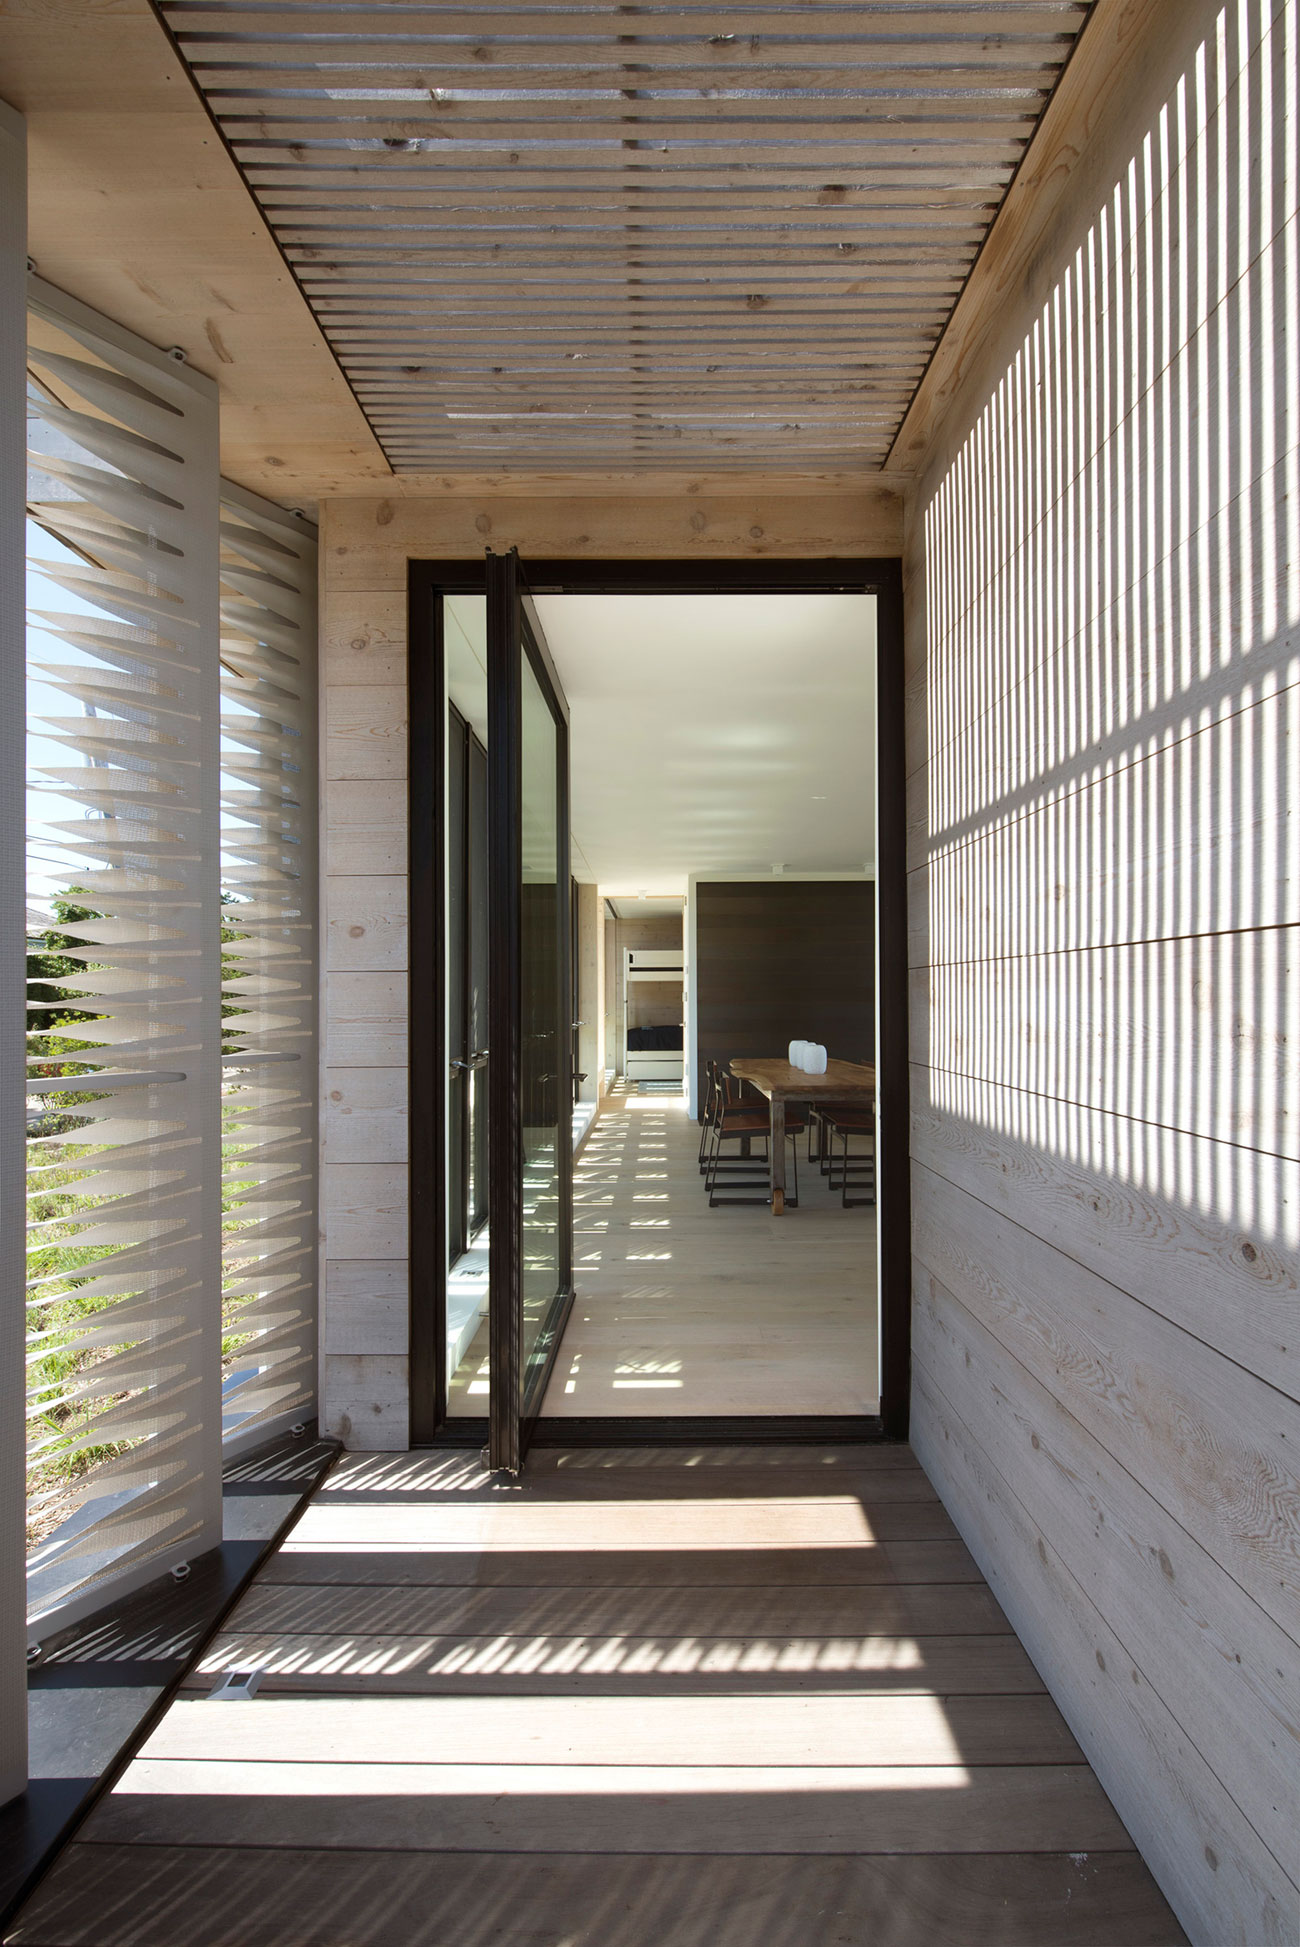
x: 60, y: 1450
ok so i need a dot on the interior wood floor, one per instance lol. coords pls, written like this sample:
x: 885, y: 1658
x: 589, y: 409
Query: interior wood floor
x: 681, y: 1309
x: 686, y: 1697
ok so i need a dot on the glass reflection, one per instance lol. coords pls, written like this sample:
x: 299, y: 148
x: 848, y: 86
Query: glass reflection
x: 541, y: 1050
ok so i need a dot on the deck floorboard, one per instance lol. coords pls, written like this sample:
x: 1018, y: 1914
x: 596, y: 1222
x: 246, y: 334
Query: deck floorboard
x: 684, y: 1698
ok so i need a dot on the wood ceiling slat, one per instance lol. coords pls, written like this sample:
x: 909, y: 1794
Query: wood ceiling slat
x: 437, y: 381
x: 954, y: 114
x: 402, y: 320
x: 820, y: 199
x: 419, y: 174
x: 408, y: 62
x: 373, y: 368
x: 733, y: 347
x: 765, y: 444
x: 642, y: 162
x: 782, y: 413
x: 657, y: 403
x: 841, y: 74
x: 655, y: 293
x: 645, y: 254
x: 761, y: 209
x: 704, y: 233
x: 547, y: 392
x: 464, y: 321
x: 505, y: 226
x: 724, y: 29
x: 555, y: 392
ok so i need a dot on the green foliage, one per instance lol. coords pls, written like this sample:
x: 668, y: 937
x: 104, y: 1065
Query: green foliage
x: 232, y: 968
x: 62, y: 1153
x: 58, y: 1267
x: 49, y: 963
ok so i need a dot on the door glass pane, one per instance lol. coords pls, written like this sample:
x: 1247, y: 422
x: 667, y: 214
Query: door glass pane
x: 478, y: 987
x: 457, y: 1042
x: 541, y: 1054
x: 465, y: 657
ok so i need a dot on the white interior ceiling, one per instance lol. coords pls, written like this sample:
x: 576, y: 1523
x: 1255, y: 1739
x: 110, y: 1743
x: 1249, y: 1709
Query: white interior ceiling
x: 632, y: 907
x: 717, y: 733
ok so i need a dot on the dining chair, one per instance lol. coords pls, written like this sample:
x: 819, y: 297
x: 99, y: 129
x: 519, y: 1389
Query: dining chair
x: 712, y: 1092
x: 854, y: 1169
x: 729, y: 1090
x: 712, y: 1082
x: 736, y: 1119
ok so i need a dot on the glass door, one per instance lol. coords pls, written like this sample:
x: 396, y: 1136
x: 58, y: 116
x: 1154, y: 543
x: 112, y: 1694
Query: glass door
x: 530, y: 1187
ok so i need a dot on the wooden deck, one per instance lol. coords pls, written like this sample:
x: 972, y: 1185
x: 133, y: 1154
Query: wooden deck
x: 687, y: 1697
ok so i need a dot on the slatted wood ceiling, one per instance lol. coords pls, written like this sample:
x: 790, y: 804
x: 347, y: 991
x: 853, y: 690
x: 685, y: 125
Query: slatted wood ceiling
x: 631, y: 236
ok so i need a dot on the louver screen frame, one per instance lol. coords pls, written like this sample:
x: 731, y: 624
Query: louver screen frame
x: 13, y: 689
x: 269, y: 967
x: 125, y: 1102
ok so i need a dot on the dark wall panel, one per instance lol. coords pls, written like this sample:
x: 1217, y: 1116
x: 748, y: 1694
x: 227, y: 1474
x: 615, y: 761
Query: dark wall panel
x: 785, y: 961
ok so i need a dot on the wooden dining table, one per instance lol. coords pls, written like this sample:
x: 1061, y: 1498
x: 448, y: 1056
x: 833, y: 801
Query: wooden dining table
x: 844, y: 1081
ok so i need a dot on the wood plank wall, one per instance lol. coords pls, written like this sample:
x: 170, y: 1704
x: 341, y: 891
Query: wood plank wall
x: 1103, y: 577
x: 365, y: 547
x: 781, y: 960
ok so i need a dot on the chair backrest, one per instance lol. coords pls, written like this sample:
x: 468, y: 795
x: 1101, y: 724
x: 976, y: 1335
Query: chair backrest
x: 739, y: 1094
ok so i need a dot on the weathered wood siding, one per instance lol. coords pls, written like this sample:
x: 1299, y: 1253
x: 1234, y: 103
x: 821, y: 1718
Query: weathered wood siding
x: 365, y: 547
x: 1103, y: 564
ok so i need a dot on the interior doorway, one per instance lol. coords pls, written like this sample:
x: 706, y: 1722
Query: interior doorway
x: 687, y: 1308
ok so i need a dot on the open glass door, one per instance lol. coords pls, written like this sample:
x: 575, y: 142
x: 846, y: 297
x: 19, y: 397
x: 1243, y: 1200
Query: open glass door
x: 530, y: 1088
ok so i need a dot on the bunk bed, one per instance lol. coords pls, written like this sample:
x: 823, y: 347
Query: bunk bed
x: 653, y: 986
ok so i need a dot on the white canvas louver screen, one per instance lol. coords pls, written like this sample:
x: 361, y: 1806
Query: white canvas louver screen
x: 268, y: 839
x: 124, y: 947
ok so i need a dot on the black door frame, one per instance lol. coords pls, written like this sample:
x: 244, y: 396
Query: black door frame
x: 428, y: 580
x: 513, y: 1409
